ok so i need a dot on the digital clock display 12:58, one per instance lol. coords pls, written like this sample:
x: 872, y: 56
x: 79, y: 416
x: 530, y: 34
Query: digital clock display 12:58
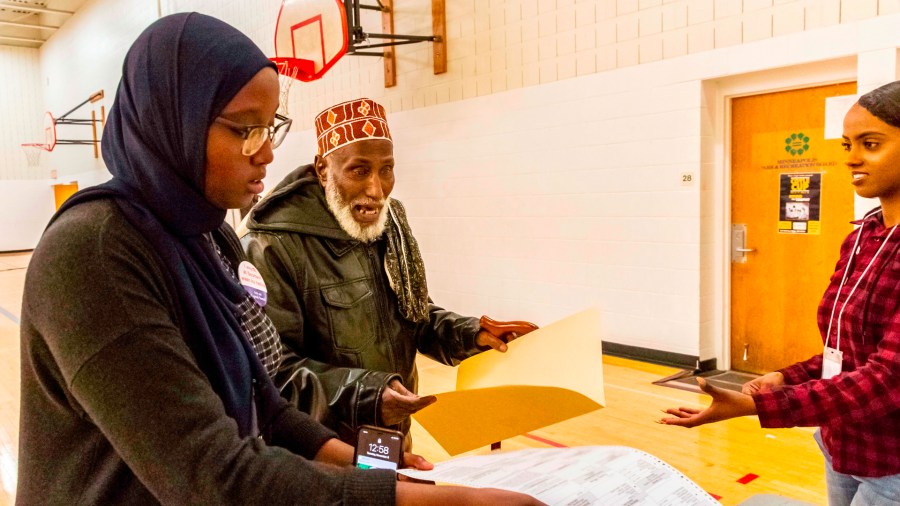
x: 378, y: 448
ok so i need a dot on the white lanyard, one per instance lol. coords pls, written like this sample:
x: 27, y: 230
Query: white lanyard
x: 835, y: 353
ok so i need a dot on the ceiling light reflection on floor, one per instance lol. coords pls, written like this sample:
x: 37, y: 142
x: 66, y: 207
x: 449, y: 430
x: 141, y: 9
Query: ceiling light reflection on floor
x: 8, y: 471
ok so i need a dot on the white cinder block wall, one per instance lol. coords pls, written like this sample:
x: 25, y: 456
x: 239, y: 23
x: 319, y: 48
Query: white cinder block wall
x: 83, y: 57
x: 543, y: 171
x: 21, y: 103
x: 542, y: 206
x: 500, y: 45
x: 22, y: 217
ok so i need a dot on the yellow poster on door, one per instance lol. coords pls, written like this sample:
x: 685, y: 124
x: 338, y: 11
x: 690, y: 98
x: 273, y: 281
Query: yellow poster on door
x: 802, y: 155
x: 800, y: 203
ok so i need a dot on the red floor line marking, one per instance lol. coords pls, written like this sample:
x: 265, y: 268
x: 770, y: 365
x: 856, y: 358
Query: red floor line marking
x: 714, y: 496
x: 747, y: 478
x: 545, y: 441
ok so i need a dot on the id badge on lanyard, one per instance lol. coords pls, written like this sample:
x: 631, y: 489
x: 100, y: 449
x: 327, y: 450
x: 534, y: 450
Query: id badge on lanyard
x: 833, y: 358
x: 832, y: 361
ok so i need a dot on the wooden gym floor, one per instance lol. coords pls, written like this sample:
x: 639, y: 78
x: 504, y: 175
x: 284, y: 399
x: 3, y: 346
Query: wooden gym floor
x: 718, y: 457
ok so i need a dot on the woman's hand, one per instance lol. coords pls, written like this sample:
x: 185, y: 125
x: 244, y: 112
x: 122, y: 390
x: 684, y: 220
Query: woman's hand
x: 427, y: 495
x: 725, y: 404
x: 339, y: 453
x: 763, y: 383
x: 416, y: 462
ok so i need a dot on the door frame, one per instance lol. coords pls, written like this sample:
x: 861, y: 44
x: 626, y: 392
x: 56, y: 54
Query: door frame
x: 716, y: 171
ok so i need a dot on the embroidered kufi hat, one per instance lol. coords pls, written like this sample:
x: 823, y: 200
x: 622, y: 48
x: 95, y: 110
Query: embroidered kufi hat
x: 357, y: 120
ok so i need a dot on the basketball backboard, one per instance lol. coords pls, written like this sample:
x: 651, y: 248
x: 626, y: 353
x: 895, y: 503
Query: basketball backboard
x: 49, y: 132
x: 310, y: 37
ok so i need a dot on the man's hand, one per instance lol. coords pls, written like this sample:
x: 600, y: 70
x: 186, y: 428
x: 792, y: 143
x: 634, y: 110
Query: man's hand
x: 496, y: 334
x: 726, y: 404
x: 397, y: 403
x: 763, y: 383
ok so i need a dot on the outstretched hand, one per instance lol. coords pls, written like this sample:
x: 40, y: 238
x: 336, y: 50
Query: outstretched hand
x: 764, y: 383
x: 725, y: 404
x: 398, y: 403
x: 496, y: 334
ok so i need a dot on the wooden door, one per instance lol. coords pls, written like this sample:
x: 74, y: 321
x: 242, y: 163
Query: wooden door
x: 792, y: 203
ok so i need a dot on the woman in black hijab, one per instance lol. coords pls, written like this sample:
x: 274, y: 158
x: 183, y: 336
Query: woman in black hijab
x: 140, y: 384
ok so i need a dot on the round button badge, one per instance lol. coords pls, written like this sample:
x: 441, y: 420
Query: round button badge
x: 253, y: 282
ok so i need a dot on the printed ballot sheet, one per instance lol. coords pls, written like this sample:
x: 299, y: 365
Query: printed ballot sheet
x: 580, y: 476
x: 546, y: 376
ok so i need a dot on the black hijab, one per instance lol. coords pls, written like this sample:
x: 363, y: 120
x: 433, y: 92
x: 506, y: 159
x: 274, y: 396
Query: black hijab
x: 178, y: 76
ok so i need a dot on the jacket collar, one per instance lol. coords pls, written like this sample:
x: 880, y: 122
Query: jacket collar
x: 874, y: 216
x: 297, y: 204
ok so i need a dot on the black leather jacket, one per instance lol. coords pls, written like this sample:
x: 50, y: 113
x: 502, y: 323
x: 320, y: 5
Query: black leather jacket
x: 330, y: 300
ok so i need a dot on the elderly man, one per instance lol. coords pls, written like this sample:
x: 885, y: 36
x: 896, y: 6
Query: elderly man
x: 346, y: 281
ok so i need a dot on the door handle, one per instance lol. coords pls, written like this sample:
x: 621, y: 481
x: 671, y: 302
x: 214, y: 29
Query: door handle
x: 738, y: 243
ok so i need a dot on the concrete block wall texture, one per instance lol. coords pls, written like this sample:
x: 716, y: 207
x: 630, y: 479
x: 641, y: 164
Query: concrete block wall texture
x: 542, y: 172
x: 20, y: 102
x: 494, y: 46
x: 553, y: 207
x: 500, y: 45
x: 85, y: 56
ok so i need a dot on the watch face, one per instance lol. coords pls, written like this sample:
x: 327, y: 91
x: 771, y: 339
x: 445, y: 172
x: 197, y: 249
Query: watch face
x: 377, y: 448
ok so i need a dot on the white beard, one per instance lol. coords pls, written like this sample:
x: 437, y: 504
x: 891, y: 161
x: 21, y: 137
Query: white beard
x: 341, y: 209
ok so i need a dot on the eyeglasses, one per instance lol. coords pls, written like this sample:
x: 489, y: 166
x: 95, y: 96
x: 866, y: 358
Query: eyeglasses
x: 255, y: 135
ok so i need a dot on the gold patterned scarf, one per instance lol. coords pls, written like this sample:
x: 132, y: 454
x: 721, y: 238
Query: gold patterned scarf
x: 404, y: 266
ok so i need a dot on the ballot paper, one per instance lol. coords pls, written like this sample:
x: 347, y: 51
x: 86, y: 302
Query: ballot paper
x: 603, y: 475
x: 547, y: 376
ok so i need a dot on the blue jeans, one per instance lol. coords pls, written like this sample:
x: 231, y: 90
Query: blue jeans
x: 848, y: 490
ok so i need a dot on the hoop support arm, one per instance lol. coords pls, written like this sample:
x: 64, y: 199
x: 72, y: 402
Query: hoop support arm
x: 93, y: 98
x: 357, y: 36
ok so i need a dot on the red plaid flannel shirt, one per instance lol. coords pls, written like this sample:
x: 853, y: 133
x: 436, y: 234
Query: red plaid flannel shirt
x: 858, y: 410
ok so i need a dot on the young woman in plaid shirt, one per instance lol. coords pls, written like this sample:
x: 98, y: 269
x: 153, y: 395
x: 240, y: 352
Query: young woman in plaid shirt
x: 852, y: 390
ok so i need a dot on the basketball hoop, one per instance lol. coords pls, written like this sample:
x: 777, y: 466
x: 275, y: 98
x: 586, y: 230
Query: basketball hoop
x: 287, y: 74
x: 33, y: 153
x: 310, y: 37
